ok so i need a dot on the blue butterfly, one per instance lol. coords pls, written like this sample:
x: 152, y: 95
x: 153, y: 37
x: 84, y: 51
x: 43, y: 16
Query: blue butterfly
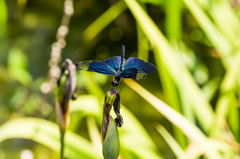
x: 134, y: 68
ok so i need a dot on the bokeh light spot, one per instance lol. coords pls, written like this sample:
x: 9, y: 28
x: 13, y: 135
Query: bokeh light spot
x: 116, y: 34
x: 63, y: 30
x: 102, y: 52
x: 196, y: 35
x: 45, y: 88
x: 30, y: 21
x: 26, y: 154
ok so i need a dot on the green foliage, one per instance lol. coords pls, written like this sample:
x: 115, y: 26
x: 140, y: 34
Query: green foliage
x: 195, y: 45
x: 46, y: 133
x: 17, y: 64
x: 111, y: 144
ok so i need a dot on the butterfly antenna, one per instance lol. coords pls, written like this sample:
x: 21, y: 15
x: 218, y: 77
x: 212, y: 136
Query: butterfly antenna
x: 122, y: 57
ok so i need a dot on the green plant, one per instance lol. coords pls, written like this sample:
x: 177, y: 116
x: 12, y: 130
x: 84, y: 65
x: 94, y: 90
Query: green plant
x: 200, y: 100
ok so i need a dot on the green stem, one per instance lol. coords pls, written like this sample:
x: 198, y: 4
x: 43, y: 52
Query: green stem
x: 62, y: 145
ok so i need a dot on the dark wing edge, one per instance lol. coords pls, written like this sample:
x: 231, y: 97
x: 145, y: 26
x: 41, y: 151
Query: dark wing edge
x: 95, y: 66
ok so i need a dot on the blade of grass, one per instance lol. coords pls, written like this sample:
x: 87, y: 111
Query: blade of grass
x: 187, y: 107
x: 227, y: 91
x: 94, y: 134
x: 178, y: 151
x: 173, y: 19
x: 222, y: 21
x: 234, y: 118
x: 47, y: 133
x: 211, y: 31
x: 142, y: 41
x: 210, y: 88
x: 178, y: 72
x: 173, y: 33
x: 190, y: 130
x: 3, y: 19
x: 98, y: 25
x: 3, y: 31
x: 172, y: 97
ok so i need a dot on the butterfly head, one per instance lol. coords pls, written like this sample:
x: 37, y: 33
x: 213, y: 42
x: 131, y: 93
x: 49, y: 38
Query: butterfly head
x: 116, y: 80
x: 114, y: 83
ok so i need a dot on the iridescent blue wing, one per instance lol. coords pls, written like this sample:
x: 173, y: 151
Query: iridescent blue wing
x: 114, y: 62
x: 133, y: 72
x: 139, y: 64
x: 95, y: 66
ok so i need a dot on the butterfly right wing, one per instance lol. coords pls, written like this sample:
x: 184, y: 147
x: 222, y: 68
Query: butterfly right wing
x: 133, y: 72
x: 139, y: 64
x: 136, y: 68
x: 95, y: 66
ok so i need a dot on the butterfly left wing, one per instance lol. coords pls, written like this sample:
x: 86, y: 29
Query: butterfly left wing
x: 95, y: 66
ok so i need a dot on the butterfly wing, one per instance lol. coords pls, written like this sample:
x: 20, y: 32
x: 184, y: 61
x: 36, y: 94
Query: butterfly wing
x: 133, y: 73
x: 139, y: 64
x: 114, y: 62
x: 136, y: 68
x: 96, y: 66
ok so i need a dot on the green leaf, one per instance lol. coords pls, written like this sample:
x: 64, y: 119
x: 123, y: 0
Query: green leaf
x: 17, y: 64
x: 47, y: 133
x: 227, y: 94
x: 3, y: 27
x: 3, y: 19
x: 173, y: 19
x: 178, y: 151
x: 106, y: 18
x: 190, y: 130
x: 212, y: 32
x: 140, y: 146
x: 111, y: 144
x: 179, y: 73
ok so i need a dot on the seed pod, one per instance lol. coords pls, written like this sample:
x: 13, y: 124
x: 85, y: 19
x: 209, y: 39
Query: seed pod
x: 66, y: 87
x: 109, y: 132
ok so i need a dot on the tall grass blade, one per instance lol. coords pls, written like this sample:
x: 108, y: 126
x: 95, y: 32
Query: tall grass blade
x: 172, y: 97
x: 3, y: 28
x: 47, y: 133
x: 190, y: 130
x: 173, y: 20
x: 211, y: 31
x: 227, y: 92
x: 143, y: 45
x: 178, y: 72
x: 98, y: 25
x: 178, y: 151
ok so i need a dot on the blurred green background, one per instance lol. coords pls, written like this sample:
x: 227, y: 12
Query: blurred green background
x: 193, y: 43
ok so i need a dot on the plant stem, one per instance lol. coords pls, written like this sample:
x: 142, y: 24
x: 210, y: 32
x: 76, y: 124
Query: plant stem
x: 62, y: 145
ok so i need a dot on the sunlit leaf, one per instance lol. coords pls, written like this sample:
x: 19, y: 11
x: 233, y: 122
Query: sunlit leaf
x: 106, y: 18
x: 111, y: 144
x: 17, y: 64
x: 190, y: 130
x: 47, y: 133
x: 179, y: 73
x: 179, y: 152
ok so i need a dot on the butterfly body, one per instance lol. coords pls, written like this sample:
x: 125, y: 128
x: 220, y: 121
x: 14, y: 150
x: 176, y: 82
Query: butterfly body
x: 134, y: 68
